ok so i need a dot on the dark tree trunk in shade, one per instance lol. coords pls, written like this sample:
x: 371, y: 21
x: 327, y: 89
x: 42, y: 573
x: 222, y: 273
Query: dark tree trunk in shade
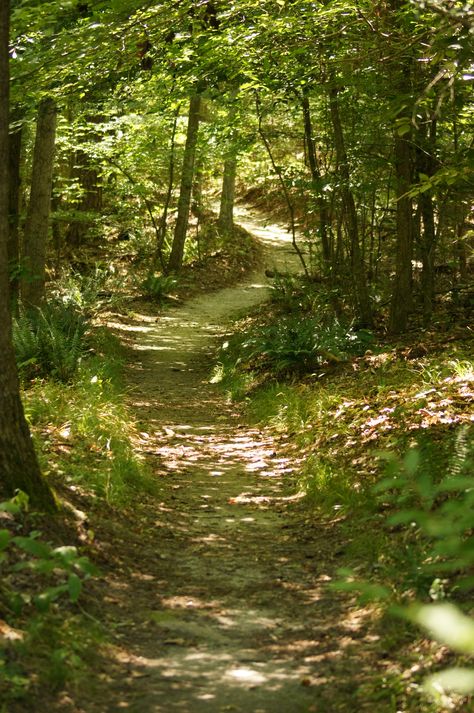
x: 14, y: 176
x: 90, y: 202
x: 359, y: 276
x: 37, y: 219
x: 187, y: 176
x: 401, y: 304
x: 426, y: 164
x: 19, y: 467
x: 316, y: 178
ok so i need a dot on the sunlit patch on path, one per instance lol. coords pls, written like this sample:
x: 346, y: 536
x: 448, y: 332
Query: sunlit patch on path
x: 221, y: 599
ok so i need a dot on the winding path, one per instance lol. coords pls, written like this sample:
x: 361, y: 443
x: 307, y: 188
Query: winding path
x: 218, y: 592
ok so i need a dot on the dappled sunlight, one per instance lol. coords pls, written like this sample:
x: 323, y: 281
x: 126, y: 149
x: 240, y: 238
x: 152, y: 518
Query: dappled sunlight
x: 229, y: 617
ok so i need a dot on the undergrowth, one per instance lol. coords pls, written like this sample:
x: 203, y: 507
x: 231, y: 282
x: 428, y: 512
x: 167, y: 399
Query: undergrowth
x: 44, y: 638
x: 345, y: 413
x: 85, y: 432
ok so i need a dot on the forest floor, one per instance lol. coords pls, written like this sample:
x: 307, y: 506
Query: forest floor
x: 216, y: 590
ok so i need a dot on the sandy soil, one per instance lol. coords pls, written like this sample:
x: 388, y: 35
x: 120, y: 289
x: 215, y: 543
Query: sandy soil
x: 217, y: 590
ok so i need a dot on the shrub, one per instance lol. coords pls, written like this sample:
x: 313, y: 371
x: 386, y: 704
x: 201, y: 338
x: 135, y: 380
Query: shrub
x: 300, y: 344
x: 38, y: 607
x: 50, y: 341
x: 156, y: 287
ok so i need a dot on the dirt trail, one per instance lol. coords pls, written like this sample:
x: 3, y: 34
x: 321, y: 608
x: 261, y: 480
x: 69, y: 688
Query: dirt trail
x: 219, y: 591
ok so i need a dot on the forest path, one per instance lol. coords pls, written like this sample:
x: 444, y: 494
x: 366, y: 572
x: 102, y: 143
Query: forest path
x: 218, y: 591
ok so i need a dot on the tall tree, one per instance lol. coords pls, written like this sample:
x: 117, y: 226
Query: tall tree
x: 37, y: 219
x: 226, y: 208
x: 14, y: 177
x: 19, y: 467
x: 186, y: 187
x: 359, y: 276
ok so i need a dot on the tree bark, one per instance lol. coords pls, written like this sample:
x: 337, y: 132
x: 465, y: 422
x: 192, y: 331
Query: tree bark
x: 19, y: 467
x: 14, y: 175
x: 316, y: 179
x: 401, y: 303
x: 187, y: 176
x: 226, y: 209
x: 37, y: 219
x: 90, y: 201
x: 358, y: 271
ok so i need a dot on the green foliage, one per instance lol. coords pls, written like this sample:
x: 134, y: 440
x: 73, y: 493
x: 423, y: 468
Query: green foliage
x: 90, y: 418
x: 291, y: 292
x: 441, y: 508
x: 50, y: 341
x: 55, y: 574
x: 85, y: 292
x: 298, y: 344
x: 433, y: 501
x: 157, y: 287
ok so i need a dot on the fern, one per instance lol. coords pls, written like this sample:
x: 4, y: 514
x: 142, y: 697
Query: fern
x: 50, y: 342
x: 26, y: 343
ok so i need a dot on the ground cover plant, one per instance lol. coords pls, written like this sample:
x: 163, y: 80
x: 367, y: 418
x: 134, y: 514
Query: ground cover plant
x: 44, y: 639
x: 385, y: 437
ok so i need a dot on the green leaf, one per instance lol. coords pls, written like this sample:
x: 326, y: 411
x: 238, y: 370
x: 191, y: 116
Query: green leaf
x: 5, y: 538
x: 87, y: 567
x: 42, y: 601
x: 10, y: 507
x: 455, y: 680
x: 447, y: 624
x: 33, y: 547
x: 411, y: 461
x: 74, y: 586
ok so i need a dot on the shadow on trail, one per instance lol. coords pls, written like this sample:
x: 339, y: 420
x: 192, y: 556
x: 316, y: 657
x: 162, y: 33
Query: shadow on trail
x: 217, y: 589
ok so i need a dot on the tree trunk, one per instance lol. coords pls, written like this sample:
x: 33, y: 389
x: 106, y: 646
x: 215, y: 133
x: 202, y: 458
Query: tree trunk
x: 90, y: 201
x: 358, y: 271
x: 160, y: 230
x: 317, y: 180
x: 401, y: 303
x: 37, y: 219
x: 226, y: 210
x: 187, y: 176
x: 19, y: 467
x: 14, y: 174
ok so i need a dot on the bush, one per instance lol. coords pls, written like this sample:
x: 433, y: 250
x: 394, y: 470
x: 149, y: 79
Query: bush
x: 300, y: 344
x: 50, y: 341
x: 441, y: 508
x: 39, y: 587
x: 156, y: 287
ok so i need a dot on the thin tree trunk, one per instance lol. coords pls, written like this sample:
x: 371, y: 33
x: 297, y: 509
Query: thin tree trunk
x: 401, y: 78
x: 226, y: 209
x: 358, y: 271
x: 90, y: 201
x: 187, y: 176
x: 316, y: 179
x: 163, y: 224
x: 289, y: 202
x: 197, y: 206
x: 401, y: 303
x: 37, y: 220
x: 227, y: 201
x: 14, y: 208
x: 427, y: 246
x: 19, y: 467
